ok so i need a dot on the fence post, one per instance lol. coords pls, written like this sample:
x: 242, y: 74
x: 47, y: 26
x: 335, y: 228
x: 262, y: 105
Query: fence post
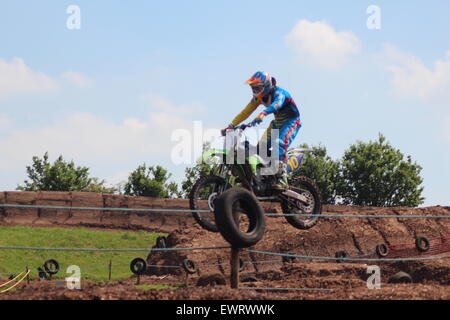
x: 234, y: 263
x: 109, y: 270
x: 234, y: 260
x: 28, y: 275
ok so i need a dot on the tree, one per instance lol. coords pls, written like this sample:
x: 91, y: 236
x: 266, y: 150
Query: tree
x: 323, y: 170
x: 60, y: 176
x: 98, y: 186
x: 151, y: 181
x: 376, y: 174
x: 192, y: 174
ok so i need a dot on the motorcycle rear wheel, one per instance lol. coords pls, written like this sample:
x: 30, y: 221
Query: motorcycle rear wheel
x: 307, y: 188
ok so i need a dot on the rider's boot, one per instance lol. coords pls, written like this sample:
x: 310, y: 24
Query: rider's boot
x: 281, y: 183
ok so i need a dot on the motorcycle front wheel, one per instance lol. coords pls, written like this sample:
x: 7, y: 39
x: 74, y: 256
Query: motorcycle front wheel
x: 203, y: 197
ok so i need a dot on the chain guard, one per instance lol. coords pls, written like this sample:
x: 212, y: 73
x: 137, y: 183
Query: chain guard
x: 290, y: 194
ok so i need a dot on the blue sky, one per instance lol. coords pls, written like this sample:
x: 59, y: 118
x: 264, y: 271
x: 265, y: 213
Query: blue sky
x: 110, y: 94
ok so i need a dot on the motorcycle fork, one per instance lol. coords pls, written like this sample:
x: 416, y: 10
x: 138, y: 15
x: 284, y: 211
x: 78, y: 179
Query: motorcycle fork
x: 223, y: 174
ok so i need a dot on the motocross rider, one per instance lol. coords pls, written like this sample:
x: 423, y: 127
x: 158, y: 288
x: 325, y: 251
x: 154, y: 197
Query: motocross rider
x: 287, y: 118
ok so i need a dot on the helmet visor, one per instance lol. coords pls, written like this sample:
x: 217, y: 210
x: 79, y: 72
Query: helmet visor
x: 257, y: 88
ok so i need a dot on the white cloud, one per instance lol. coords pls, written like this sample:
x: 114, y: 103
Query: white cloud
x: 91, y: 138
x: 119, y: 177
x: 5, y: 122
x: 17, y: 78
x: 93, y: 141
x: 446, y: 130
x: 163, y: 104
x: 78, y: 79
x: 320, y: 44
x: 412, y: 78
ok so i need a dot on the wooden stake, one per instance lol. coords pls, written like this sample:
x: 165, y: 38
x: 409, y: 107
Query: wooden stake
x: 110, y: 270
x: 138, y: 281
x: 234, y: 260
x: 234, y: 263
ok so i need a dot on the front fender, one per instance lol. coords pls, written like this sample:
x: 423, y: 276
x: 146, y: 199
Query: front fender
x: 209, y: 156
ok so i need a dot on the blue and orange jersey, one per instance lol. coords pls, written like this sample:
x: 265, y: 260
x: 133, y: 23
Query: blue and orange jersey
x: 279, y: 102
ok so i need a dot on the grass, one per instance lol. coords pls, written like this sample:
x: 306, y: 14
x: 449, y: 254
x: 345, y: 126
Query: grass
x: 93, y: 265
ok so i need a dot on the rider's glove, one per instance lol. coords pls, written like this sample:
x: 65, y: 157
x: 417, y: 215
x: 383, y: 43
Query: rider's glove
x: 259, y: 118
x: 224, y: 131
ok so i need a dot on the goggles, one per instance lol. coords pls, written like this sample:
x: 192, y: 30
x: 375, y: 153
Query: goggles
x: 257, y: 88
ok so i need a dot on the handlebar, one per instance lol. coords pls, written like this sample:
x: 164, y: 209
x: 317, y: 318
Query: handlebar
x: 240, y: 127
x: 245, y: 126
x: 248, y: 125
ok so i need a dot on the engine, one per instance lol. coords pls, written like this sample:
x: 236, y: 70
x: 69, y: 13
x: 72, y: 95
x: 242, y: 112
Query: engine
x: 262, y: 186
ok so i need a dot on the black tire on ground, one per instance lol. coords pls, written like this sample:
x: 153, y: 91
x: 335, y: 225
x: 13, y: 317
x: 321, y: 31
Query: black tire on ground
x: 51, y: 266
x: 42, y: 275
x: 213, y: 280
x: 152, y: 252
x: 307, y: 187
x: 249, y: 279
x: 382, y: 250
x: 400, y: 277
x: 422, y: 244
x: 288, y: 259
x: 241, y: 265
x: 161, y: 242
x: 340, y: 254
x: 138, y: 266
x: 205, y: 219
x: 189, y: 266
x: 239, y: 200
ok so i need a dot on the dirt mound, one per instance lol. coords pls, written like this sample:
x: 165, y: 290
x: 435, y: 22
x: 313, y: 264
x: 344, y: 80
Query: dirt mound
x: 358, y: 237
x: 161, y: 221
x: 355, y: 236
x: 154, y: 221
x: 337, y: 288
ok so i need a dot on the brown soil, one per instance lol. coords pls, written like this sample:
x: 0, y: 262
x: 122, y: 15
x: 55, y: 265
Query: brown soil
x: 358, y: 237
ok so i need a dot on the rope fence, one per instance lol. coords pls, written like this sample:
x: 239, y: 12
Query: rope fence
x: 362, y: 258
x: 287, y: 255
x: 345, y: 258
x: 360, y: 216
x: 24, y: 274
x: 108, y: 249
x: 285, y: 289
x: 6, y: 283
x: 304, y: 257
x: 28, y: 206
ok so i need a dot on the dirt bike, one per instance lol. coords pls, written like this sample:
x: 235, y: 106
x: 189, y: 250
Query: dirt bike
x: 301, y: 196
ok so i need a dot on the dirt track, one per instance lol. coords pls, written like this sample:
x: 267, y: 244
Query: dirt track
x: 346, y: 280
